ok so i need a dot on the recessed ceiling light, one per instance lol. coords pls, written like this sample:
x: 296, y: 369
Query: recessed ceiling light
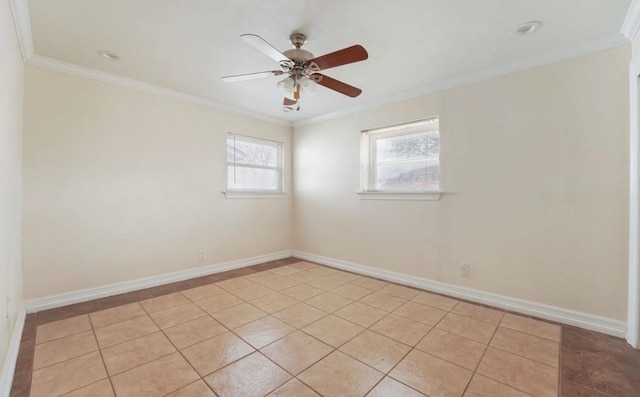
x: 110, y: 55
x: 528, y: 27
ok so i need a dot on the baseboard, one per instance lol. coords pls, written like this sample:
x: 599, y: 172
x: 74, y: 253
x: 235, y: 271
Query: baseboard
x: 69, y: 298
x: 552, y: 313
x: 9, y: 367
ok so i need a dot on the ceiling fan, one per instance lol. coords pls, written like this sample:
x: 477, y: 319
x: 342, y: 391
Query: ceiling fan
x: 302, y: 68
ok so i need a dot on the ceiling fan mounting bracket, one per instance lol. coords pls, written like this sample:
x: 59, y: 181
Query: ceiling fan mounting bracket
x: 297, y: 40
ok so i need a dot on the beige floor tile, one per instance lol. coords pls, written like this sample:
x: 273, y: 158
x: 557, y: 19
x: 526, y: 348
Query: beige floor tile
x: 302, y: 265
x: 206, y: 291
x: 294, y: 388
x: 532, y: 327
x: 302, y: 292
x: 437, y: 301
x: 124, y: 331
x: 467, y: 327
x: 252, y: 292
x: 296, y: 352
x: 213, y: 354
x: 219, y: 302
x: 101, y: 388
x: 274, y: 302
x: 345, y: 276
x: 116, y: 314
x: 177, y: 315
x: 384, y: 302
x: 400, y: 291
x: 197, y: 389
x: 261, y: 332
x: 62, y: 328
x: 349, y: 377
x: 195, y: 331
x: 371, y: 283
x: 323, y: 270
x: 326, y: 283
x: 361, y: 314
x: 519, y: 372
x: 235, y: 283
x: 284, y: 270
x: 529, y: 346
x: 421, y: 313
x: 453, y: 348
x: 261, y: 276
x: 485, y: 387
x: 389, y: 387
x: 68, y: 375
x: 299, y: 315
x: 328, y: 302
x: 351, y: 291
x: 375, y: 350
x: 333, y: 330
x: 157, y: 378
x: 253, y: 375
x: 62, y: 349
x: 164, y: 302
x: 431, y: 375
x: 122, y: 357
x: 478, y: 312
x: 401, y: 329
x: 237, y: 316
x: 303, y: 276
x: 279, y: 283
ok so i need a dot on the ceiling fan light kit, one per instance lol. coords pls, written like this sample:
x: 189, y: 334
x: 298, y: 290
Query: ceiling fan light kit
x: 302, y: 68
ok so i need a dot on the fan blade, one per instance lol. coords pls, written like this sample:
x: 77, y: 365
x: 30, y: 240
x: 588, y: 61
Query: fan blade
x: 344, y: 56
x: 337, y: 85
x: 251, y: 76
x: 289, y: 102
x: 261, y: 45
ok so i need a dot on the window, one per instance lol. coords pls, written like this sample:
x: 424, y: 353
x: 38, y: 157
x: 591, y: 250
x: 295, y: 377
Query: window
x: 403, y: 158
x: 253, y: 165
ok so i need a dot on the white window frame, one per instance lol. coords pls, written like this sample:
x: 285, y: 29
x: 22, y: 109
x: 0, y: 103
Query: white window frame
x: 368, y: 161
x: 255, y: 193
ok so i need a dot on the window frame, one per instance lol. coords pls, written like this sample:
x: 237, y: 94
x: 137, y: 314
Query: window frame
x: 369, y: 161
x: 252, y: 192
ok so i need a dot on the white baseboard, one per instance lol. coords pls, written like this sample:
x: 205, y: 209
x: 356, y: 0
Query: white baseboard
x: 9, y: 367
x: 552, y: 313
x: 50, y: 302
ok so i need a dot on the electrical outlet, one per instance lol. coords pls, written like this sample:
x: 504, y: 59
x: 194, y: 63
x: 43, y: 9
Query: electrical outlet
x: 465, y: 270
x: 201, y: 255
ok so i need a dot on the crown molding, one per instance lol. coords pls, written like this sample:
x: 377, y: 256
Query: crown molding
x: 22, y: 21
x: 20, y: 10
x: 81, y: 71
x: 631, y: 21
x: 468, y: 78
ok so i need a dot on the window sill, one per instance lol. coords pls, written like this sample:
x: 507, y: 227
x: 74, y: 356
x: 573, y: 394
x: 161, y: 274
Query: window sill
x: 406, y: 196
x: 235, y: 194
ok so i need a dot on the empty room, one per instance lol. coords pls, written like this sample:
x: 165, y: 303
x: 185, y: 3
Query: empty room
x: 213, y: 198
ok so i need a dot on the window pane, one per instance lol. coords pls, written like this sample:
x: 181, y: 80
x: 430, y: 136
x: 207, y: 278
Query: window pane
x: 253, y: 153
x: 417, y: 175
x: 253, y: 178
x: 407, y: 147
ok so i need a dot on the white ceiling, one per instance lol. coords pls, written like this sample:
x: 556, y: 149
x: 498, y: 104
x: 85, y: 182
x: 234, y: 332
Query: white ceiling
x: 413, y: 45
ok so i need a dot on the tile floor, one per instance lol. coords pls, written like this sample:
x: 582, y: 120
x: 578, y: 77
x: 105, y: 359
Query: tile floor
x: 293, y: 328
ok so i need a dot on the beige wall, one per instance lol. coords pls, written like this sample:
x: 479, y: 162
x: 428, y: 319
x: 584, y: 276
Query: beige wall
x: 535, y: 169
x: 11, y: 83
x: 120, y: 185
